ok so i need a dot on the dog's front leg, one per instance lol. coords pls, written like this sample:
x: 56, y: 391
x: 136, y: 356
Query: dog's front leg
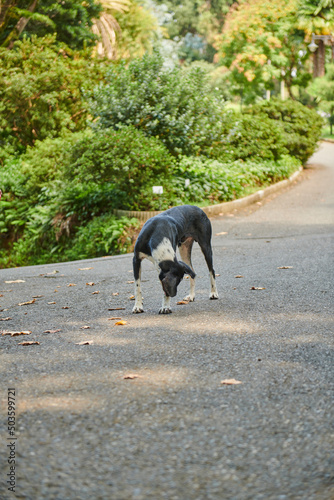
x: 138, y: 307
x: 165, y: 308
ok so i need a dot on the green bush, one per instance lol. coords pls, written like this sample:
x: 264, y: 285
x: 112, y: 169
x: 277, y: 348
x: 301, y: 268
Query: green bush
x: 301, y: 127
x: 125, y: 159
x: 250, y: 137
x: 41, y: 91
x: 176, y: 105
x: 214, y: 181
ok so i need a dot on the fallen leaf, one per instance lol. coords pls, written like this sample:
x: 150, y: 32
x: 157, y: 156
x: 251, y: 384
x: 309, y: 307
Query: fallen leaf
x: 130, y: 281
x: 114, y: 318
x: 285, y: 267
x: 257, y: 288
x: 95, y: 293
x: 217, y: 274
x: 238, y: 276
x: 86, y: 327
x: 37, y: 296
x: 85, y: 342
x: 33, y: 342
x: 132, y: 297
x: 15, y: 334
x: 27, y: 303
x: 220, y: 234
x: 52, y: 331
x: 115, y: 294
x: 5, y: 319
x: 91, y: 283
x: 131, y: 376
x: 230, y: 381
x: 65, y: 307
x: 84, y: 268
x: 15, y: 281
x: 181, y: 302
x: 51, y: 302
x: 116, y: 308
x: 71, y: 284
x: 121, y: 322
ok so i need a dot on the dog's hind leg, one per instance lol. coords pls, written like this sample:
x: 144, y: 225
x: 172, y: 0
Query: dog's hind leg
x: 138, y: 307
x: 185, y: 254
x: 207, y: 252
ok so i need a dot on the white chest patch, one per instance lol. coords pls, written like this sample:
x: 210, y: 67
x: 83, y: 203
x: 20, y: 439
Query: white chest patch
x: 164, y: 251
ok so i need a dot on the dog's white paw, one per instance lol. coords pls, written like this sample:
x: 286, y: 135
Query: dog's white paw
x: 165, y: 310
x: 214, y: 296
x: 137, y: 310
x: 189, y: 298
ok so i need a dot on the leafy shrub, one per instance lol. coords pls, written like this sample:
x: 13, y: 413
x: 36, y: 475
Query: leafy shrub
x: 176, y: 105
x: 301, y: 127
x: 214, y: 181
x: 41, y: 91
x: 126, y: 159
x: 250, y: 137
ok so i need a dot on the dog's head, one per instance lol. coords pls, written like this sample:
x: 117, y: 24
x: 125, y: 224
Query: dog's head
x: 172, y: 272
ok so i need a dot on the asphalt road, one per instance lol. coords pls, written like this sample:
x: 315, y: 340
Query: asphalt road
x: 175, y: 432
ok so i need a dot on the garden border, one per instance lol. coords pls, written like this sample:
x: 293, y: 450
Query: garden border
x: 221, y: 208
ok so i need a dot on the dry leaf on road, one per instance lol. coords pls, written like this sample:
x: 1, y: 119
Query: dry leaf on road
x: 90, y: 283
x: 238, y: 276
x: 5, y: 319
x: 96, y: 292
x: 52, y: 331
x: 182, y: 302
x: 230, y: 381
x: 52, y: 302
x: 65, y: 307
x: 257, y: 288
x: 220, y: 234
x: 285, y: 267
x: 33, y: 342
x: 15, y: 334
x: 84, y: 268
x: 115, y: 294
x: 72, y: 284
x: 86, y: 327
x: 27, y: 303
x: 15, y: 281
x: 114, y: 318
x: 121, y: 322
x: 131, y: 376
x: 85, y: 342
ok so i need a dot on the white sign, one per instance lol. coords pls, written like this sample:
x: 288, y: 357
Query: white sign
x: 157, y: 189
x: 187, y: 183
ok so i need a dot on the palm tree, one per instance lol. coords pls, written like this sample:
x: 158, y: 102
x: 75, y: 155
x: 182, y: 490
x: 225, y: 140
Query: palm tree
x: 106, y: 27
x: 316, y: 17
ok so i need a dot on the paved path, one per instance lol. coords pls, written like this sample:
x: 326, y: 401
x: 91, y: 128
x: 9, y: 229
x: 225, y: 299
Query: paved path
x: 175, y: 432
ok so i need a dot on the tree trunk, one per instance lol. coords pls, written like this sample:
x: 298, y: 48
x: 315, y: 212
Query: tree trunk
x: 21, y: 24
x: 319, y: 60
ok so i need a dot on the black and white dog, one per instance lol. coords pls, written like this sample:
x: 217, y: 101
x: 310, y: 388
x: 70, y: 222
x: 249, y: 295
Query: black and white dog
x: 157, y: 241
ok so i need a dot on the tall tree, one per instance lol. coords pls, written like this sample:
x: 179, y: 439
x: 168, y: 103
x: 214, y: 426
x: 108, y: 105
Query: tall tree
x: 317, y: 17
x: 260, y: 42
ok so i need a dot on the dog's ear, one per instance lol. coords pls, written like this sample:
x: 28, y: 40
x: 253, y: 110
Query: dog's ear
x: 187, y: 269
x: 166, y: 265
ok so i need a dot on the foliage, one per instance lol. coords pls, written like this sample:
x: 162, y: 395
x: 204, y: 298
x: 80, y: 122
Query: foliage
x: 215, y: 181
x: 70, y: 20
x: 301, y: 126
x: 323, y: 91
x: 126, y: 158
x: 250, y: 137
x: 41, y: 91
x: 176, y: 105
x: 260, y: 42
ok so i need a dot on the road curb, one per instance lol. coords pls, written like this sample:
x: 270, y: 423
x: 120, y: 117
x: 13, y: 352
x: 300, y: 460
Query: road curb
x: 225, y: 207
